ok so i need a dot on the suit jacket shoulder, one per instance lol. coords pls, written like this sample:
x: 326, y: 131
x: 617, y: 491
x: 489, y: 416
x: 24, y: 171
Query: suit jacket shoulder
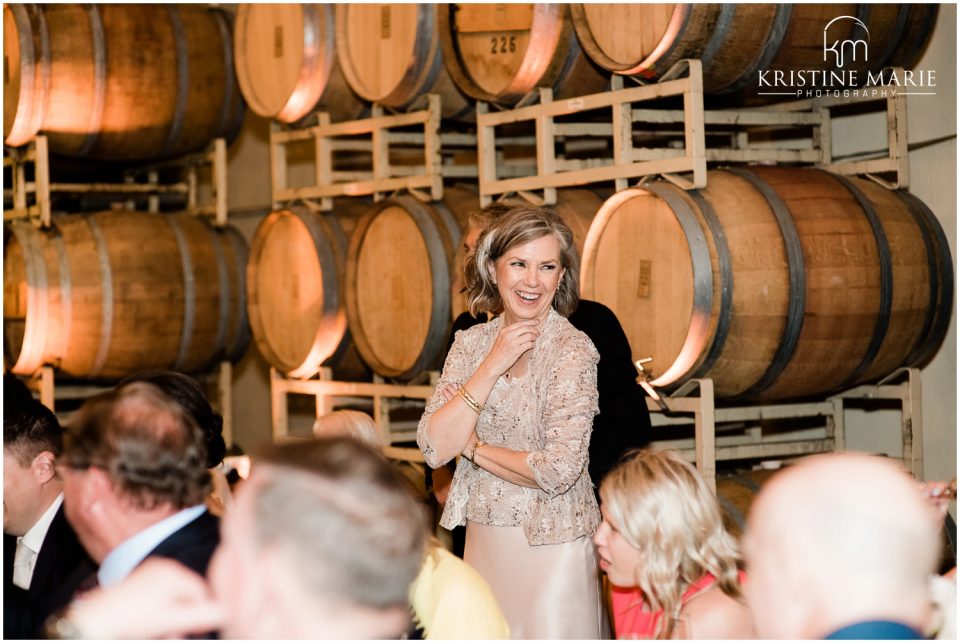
x: 193, y: 544
x: 59, y: 556
x: 58, y: 560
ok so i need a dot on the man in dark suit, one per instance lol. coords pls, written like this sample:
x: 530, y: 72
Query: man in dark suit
x: 135, y: 480
x: 40, y: 549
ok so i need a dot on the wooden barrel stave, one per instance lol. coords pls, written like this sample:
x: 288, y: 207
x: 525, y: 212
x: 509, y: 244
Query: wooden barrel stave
x: 841, y: 268
x: 941, y: 282
x: 204, y: 318
x: 287, y: 65
x: 857, y: 285
x: 914, y: 36
x: 233, y: 249
x: 390, y: 54
x: 123, y: 81
x: 25, y: 85
x: 116, y: 296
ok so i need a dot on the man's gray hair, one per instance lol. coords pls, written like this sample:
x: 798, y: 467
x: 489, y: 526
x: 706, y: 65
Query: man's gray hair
x: 341, y: 513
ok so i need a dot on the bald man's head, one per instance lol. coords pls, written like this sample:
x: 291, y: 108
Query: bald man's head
x: 838, y: 539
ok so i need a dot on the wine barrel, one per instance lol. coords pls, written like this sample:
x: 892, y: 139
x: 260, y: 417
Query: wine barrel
x: 119, y: 82
x: 576, y: 206
x: 736, y: 492
x: 232, y: 271
x: 106, y: 295
x: 736, y: 41
x: 391, y: 55
x: 287, y: 64
x: 501, y: 52
x: 399, y: 269
x: 296, y: 292
x: 775, y: 282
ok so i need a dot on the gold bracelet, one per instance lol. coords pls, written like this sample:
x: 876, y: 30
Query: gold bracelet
x: 469, y: 399
x: 473, y: 451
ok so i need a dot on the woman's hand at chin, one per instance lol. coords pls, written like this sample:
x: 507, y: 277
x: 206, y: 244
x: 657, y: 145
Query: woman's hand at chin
x: 512, y: 342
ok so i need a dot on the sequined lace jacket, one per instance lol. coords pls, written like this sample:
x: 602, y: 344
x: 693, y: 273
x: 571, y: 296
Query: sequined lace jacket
x: 549, y: 413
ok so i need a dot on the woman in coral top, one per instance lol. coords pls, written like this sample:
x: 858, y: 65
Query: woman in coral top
x: 664, y: 549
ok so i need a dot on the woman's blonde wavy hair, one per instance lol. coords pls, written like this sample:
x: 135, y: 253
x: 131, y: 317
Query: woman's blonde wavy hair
x: 519, y: 226
x: 664, y: 509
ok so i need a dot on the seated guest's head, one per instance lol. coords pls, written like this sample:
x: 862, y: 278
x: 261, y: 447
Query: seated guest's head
x: 348, y: 424
x: 187, y: 392
x: 131, y: 458
x: 662, y: 531
x: 323, y: 542
x: 32, y: 441
x: 840, y: 540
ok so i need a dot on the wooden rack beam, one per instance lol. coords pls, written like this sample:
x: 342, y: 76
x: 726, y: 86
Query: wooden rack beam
x: 710, y: 444
x: 695, y: 136
x: 328, y: 391
x: 37, y: 153
x: 373, y: 136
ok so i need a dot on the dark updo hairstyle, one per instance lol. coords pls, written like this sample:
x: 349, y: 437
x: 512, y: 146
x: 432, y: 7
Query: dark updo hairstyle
x: 187, y: 392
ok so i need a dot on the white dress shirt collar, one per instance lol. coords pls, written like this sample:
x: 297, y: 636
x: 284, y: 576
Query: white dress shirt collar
x: 35, y: 537
x: 33, y: 540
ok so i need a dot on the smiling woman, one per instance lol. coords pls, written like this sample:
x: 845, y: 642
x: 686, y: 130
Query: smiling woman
x: 516, y: 399
x: 527, y: 278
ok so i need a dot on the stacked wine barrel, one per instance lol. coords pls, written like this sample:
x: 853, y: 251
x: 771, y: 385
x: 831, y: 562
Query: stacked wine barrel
x: 102, y: 295
x: 771, y: 292
x: 775, y: 282
x: 119, y: 82
x: 735, y: 42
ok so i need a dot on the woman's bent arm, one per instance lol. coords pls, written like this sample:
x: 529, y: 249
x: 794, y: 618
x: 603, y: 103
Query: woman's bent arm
x: 507, y: 464
x: 572, y: 401
x: 446, y: 425
x: 444, y: 433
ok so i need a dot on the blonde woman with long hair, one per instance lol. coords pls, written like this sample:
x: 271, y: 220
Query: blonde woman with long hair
x: 664, y: 549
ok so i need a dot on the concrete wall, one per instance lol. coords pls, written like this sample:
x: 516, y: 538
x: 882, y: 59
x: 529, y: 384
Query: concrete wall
x: 933, y: 178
